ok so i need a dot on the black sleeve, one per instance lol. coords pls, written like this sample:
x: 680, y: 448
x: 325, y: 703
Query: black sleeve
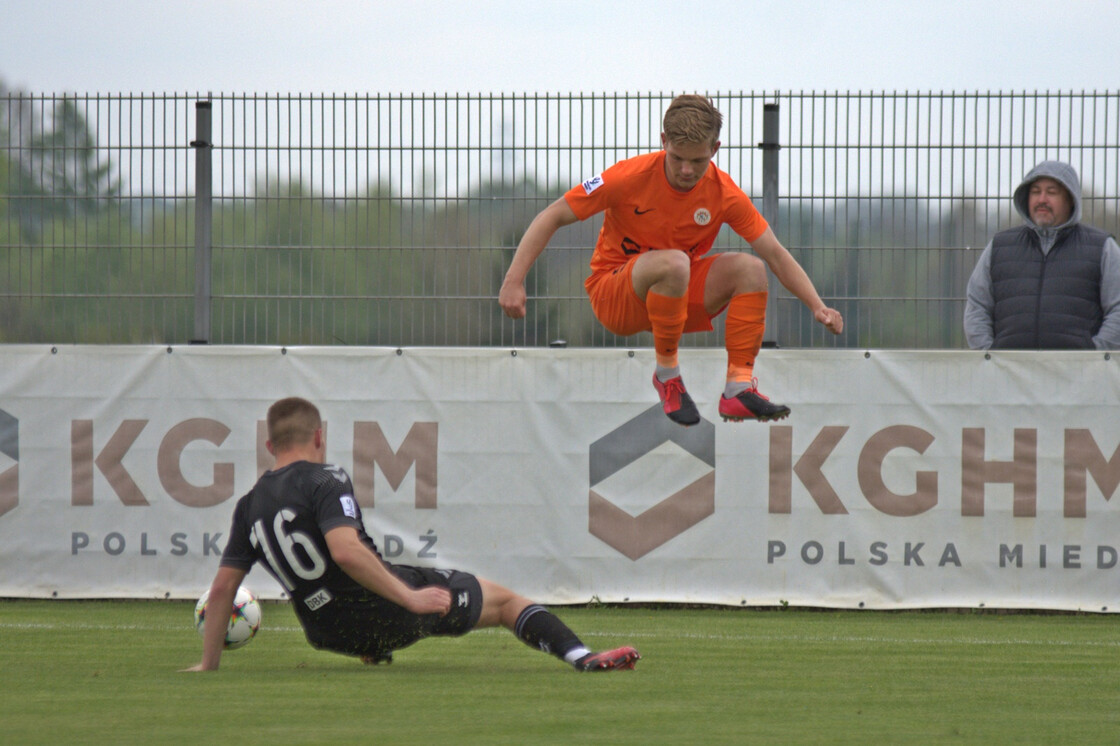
x: 334, y: 501
x: 239, y: 551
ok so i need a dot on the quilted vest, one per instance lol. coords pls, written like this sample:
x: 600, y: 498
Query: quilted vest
x: 1047, y: 302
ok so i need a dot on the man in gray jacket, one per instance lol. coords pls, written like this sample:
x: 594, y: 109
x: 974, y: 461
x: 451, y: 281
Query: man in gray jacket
x: 1050, y: 284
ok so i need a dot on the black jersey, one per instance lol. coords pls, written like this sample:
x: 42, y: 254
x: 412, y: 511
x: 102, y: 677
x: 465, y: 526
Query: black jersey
x: 282, y: 524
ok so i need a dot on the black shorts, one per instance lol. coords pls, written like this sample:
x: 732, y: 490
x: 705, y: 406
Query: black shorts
x: 368, y: 625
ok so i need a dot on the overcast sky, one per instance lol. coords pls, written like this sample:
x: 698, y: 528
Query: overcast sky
x: 547, y: 46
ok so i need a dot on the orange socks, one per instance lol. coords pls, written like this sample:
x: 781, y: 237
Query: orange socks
x: 746, y: 321
x: 667, y: 316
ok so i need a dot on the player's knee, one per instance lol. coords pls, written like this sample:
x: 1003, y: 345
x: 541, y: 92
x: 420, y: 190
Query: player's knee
x: 677, y: 262
x: 668, y: 268
x: 749, y: 272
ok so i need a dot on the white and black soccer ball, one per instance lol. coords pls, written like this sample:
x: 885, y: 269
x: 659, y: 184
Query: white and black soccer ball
x: 244, y: 618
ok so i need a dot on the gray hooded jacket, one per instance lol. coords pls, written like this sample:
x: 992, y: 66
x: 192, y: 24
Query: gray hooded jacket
x: 980, y: 323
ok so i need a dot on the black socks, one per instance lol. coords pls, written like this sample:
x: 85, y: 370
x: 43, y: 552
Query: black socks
x: 539, y: 628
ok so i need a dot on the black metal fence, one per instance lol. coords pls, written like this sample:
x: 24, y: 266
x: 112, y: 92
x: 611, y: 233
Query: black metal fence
x: 390, y: 220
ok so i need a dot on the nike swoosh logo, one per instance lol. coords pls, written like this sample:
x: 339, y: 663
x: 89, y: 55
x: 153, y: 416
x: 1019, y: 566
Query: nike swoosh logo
x: 643, y: 212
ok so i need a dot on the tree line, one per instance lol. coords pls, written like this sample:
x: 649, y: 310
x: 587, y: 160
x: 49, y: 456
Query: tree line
x: 86, y: 261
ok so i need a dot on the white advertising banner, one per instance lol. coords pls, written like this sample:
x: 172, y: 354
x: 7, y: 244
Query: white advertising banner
x: 902, y: 479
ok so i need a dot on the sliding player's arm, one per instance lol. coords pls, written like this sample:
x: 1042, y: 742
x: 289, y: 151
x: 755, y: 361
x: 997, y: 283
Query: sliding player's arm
x: 367, y: 569
x: 222, y: 592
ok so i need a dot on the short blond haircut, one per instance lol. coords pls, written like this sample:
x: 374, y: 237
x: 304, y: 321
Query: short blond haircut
x: 292, y: 422
x: 692, y: 119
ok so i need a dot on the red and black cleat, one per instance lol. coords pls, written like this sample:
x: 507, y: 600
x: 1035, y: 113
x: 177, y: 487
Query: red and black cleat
x: 676, y: 402
x: 751, y: 405
x: 619, y: 659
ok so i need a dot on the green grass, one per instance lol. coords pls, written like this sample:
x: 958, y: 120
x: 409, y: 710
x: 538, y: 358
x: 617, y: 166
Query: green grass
x: 107, y: 672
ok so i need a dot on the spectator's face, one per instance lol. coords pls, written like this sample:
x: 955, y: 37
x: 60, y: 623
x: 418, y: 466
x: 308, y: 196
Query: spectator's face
x: 1049, y: 203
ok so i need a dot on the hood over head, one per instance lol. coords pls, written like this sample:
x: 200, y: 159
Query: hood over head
x: 1064, y: 174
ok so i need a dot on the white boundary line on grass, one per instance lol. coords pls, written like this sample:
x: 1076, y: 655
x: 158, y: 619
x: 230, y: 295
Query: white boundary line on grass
x: 815, y: 639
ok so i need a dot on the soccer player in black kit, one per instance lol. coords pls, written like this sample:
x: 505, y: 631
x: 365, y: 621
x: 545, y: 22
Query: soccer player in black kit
x: 301, y: 522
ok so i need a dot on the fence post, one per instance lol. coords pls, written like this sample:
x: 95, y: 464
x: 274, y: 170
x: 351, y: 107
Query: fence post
x: 770, y: 148
x: 203, y: 222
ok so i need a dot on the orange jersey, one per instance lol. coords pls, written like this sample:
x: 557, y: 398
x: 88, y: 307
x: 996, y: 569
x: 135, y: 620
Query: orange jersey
x: 644, y: 213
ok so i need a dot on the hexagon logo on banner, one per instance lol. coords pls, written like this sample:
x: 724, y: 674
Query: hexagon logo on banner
x: 637, y: 535
x: 9, y: 447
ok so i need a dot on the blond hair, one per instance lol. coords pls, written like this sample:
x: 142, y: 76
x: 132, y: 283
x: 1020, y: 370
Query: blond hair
x: 292, y: 422
x: 692, y: 119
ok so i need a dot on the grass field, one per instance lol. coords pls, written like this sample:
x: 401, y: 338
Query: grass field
x: 107, y: 672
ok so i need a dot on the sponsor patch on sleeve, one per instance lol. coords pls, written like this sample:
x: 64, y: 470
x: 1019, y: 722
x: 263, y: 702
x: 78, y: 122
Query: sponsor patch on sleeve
x: 592, y: 184
x: 348, y: 505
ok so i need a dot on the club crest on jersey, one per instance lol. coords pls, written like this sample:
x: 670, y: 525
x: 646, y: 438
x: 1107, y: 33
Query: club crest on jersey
x: 592, y: 184
x: 702, y: 216
x: 348, y: 505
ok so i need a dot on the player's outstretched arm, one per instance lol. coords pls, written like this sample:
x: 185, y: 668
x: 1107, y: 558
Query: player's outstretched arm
x: 366, y: 568
x: 792, y: 275
x: 512, y: 297
x: 222, y: 592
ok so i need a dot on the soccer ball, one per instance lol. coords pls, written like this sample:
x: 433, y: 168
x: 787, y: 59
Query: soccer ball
x: 244, y: 618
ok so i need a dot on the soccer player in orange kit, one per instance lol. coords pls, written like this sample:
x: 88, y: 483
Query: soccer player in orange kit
x: 649, y: 271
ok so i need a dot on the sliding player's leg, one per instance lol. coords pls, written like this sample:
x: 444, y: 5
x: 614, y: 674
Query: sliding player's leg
x: 539, y: 628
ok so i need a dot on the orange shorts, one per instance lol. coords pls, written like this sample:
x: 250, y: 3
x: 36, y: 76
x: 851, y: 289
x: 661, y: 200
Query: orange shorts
x: 621, y: 311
